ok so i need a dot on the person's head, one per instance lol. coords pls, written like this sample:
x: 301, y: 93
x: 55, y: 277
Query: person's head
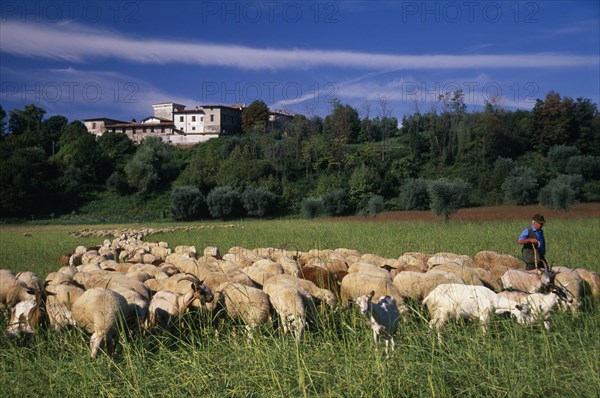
x: 538, y: 221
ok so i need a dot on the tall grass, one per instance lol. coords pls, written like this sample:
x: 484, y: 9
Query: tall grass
x: 338, y: 357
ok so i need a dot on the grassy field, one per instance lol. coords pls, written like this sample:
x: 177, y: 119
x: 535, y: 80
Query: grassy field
x: 338, y: 357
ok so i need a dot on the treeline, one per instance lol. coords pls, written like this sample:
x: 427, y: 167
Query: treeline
x: 337, y: 165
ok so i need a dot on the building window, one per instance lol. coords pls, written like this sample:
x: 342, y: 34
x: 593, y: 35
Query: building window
x: 152, y: 130
x: 212, y: 118
x: 94, y: 125
x: 181, y: 118
x: 193, y: 128
x: 201, y: 118
x: 193, y: 118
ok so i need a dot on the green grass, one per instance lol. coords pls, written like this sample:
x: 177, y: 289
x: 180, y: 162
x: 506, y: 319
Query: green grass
x: 338, y: 357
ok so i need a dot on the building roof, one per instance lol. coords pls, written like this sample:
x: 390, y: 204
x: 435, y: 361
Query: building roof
x: 103, y: 119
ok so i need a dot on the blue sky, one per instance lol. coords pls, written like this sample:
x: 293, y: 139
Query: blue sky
x: 86, y: 59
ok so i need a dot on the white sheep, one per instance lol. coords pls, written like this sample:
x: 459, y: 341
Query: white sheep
x: 292, y: 303
x: 383, y: 315
x: 242, y: 303
x: 455, y: 301
x: 12, y: 290
x: 166, y: 306
x: 101, y: 312
x: 541, y: 305
x: 357, y: 284
x: 527, y: 281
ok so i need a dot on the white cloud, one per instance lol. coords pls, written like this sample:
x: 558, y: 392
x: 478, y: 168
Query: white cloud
x: 76, y: 43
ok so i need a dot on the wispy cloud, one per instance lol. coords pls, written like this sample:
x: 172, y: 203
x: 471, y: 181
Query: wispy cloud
x: 76, y: 43
x: 92, y: 92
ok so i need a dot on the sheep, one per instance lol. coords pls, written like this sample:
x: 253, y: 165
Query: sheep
x: 418, y: 285
x: 368, y: 268
x: 591, y: 281
x: 180, y: 283
x: 570, y: 280
x: 541, y: 305
x: 291, y: 302
x: 189, y: 250
x: 489, y: 260
x: 60, y: 302
x: 12, y: 290
x: 384, y: 317
x: 100, y: 311
x: 468, y: 301
x: 322, y: 277
x: 357, y: 284
x: 527, y: 281
x: 240, y: 302
x: 167, y: 306
x: 317, y: 293
x: 29, y: 315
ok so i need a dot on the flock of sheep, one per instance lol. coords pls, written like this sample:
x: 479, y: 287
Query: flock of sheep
x: 141, y: 286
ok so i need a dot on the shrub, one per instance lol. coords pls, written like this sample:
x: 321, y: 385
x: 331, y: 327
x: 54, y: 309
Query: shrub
x: 447, y: 196
x: 413, y: 195
x: 223, y: 202
x: 561, y: 192
x: 521, y: 186
x: 187, y: 203
x: 258, y: 202
x: 586, y: 165
x: 312, y: 207
x: 376, y: 205
x: 336, y: 203
x: 559, y: 155
x: 117, y: 182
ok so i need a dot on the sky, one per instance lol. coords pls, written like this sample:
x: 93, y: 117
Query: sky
x: 90, y: 59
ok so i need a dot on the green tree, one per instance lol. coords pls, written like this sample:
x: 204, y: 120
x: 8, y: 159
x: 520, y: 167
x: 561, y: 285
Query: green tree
x: 364, y: 181
x: 521, y: 186
x: 559, y: 155
x: 259, y: 202
x: 223, y: 202
x: 376, y: 205
x: 336, y: 202
x: 150, y: 166
x: 312, y: 207
x: 447, y: 197
x: 561, y: 192
x: 414, y: 194
x: 187, y: 203
x: 2, y: 121
x: 26, y: 178
x: 255, y: 116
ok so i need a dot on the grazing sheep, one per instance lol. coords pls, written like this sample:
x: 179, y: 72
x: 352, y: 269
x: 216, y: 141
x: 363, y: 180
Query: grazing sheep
x: 357, y: 284
x: 417, y: 285
x: 292, y: 303
x: 570, y: 280
x: 317, y: 293
x: 59, y: 303
x: 489, y: 260
x: 541, y: 305
x: 244, y: 303
x: 101, y: 312
x: 29, y: 315
x: 384, y: 317
x: 591, y: 281
x: 12, y: 290
x: 455, y: 301
x: 165, y: 306
x: 527, y: 281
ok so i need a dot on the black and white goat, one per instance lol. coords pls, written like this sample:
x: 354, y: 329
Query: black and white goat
x: 384, y: 316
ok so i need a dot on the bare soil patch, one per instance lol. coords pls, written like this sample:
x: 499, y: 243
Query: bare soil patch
x: 486, y: 213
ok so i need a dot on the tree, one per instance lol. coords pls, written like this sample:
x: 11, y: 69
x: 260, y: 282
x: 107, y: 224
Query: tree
x: 258, y: 201
x: 559, y: 155
x: 223, y: 202
x: 28, y: 121
x: 414, y: 194
x: 336, y: 202
x: 256, y: 115
x: 312, y: 207
x: 561, y: 192
x: 376, y: 205
x: 521, y: 186
x: 187, y: 203
x: 2, y: 121
x: 149, y: 166
x: 447, y: 197
x: 363, y: 182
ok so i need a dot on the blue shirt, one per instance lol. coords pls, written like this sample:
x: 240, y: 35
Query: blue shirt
x: 539, y: 235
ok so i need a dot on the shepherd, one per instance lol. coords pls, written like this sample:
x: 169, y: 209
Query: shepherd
x: 534, y: 244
